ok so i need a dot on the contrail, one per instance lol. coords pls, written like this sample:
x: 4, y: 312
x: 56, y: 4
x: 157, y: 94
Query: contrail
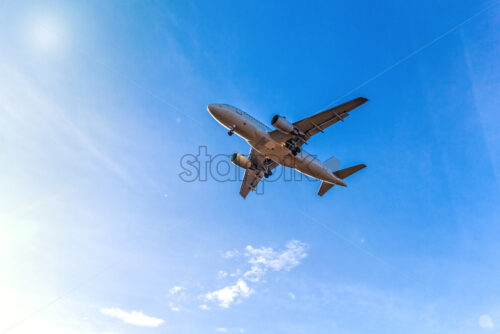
x: 415, y: 52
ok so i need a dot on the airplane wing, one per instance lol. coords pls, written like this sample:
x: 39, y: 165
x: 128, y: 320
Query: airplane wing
x: 253, y: 175
x: 318, y: 123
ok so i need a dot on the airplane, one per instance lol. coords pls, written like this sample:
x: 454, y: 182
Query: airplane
x: 282, y: 146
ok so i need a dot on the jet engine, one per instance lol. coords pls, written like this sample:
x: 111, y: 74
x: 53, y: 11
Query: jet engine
x: 241, y: 161
x: 282, y: 124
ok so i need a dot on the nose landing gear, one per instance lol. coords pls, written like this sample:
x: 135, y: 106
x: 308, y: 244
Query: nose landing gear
x: 231, y: 131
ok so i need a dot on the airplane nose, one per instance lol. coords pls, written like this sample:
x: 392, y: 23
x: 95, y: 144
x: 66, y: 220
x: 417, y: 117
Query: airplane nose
x: 214, y: 110
x: 211, y: 108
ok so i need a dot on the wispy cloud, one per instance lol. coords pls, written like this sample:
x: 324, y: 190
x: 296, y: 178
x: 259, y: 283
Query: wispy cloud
x: 485, y: 321
x: 174, y: 307
x: 230, y: 330
x: 136, y: 318
x: 221, y: 274
x: 38, y: 119
x: 177, y: 297
x: 231, y: 253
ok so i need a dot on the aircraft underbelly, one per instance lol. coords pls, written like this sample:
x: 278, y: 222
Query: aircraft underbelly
x: 272, y: 150
x: 303, y: 161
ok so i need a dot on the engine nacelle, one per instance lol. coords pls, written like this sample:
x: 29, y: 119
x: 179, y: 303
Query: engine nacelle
x: 282, y: 124
x: 241, y: 161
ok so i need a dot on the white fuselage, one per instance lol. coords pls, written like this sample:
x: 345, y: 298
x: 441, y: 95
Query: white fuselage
x: 257, y: 136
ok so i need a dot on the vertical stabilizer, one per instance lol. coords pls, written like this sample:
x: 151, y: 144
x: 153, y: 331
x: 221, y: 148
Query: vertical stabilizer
x: 333, y: 164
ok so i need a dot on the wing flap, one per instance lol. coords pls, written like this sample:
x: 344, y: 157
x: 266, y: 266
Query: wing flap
x: 250, y: 181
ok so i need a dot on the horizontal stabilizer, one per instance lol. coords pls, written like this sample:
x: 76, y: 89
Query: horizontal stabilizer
x: 343, y: 173
x: 325, y: 186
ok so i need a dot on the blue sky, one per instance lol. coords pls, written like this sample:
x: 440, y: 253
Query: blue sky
x: 99, y: 101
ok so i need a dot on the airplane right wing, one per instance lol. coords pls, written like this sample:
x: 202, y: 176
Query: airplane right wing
x: 253, y: 175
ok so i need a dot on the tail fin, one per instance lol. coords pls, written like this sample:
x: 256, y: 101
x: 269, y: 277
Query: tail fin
x: 333, y: 164
x: 343, y: 173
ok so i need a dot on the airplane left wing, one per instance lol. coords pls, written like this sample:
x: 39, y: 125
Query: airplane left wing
x: 253, y: 175
x: 310, y: 126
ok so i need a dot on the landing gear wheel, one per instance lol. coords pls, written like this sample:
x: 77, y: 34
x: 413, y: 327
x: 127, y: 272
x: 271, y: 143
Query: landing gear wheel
x: 266, y: 175
x: 294, y: 152
x: 230, y: 133
x: 297, y: 149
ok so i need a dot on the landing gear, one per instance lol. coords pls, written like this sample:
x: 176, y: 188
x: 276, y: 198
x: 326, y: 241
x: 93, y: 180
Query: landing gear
x: 292, y: 146
x: 231, y: 131
x: 267, y: 174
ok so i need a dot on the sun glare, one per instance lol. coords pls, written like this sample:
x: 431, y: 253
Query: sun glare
x: 46, y: 34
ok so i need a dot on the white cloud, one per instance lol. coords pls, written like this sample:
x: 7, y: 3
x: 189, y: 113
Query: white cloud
x: 291, y: 295
x: 261, y: 261
x: 174, y: 290
x: 485, y: 321
x: 133, y: 317
x: 221, y: 330
x: 228, y: 295
x: 174, y: 307
x: 265, y: 258
x: 204, y: 307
